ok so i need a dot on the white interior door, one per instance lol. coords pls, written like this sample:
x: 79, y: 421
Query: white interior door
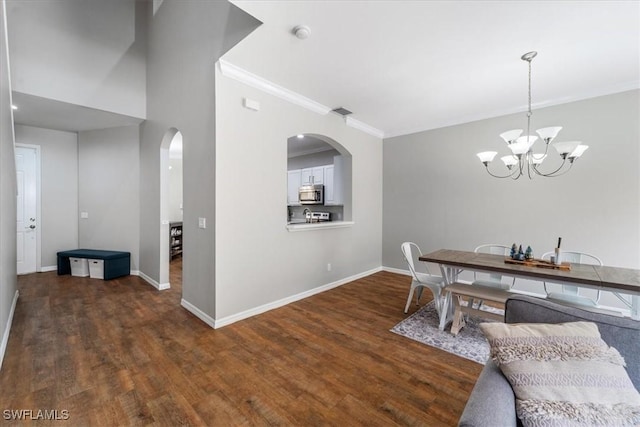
x: 27, y: 221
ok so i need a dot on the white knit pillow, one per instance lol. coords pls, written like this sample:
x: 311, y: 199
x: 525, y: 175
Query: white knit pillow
x: 564, y: 374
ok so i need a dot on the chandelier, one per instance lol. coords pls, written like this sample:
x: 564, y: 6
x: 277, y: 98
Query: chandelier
x: 523, y: 160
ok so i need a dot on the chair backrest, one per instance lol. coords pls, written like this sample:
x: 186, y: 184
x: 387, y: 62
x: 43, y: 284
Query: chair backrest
x: 576, y: 258
x: 493, y: 249
x: 410, y: 251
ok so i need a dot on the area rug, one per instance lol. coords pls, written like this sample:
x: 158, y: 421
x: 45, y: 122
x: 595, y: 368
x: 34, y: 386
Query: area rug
x: 422, y: 326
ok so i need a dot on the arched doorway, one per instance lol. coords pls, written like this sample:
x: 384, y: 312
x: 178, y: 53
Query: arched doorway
x: 171, y: 236
x: 318, y: 159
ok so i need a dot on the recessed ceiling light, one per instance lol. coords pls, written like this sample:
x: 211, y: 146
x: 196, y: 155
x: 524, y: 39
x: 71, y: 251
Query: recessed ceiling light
x: 300, y: 136
x: 14, y: 107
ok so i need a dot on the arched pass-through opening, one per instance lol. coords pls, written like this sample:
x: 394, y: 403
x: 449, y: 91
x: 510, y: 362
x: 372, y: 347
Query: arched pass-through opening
x: 319, y: 160
x: 170, y: 207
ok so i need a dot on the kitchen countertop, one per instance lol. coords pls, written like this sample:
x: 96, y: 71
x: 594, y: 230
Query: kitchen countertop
x: 305, y: 226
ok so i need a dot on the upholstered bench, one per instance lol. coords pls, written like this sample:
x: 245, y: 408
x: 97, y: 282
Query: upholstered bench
x: 116, y: 263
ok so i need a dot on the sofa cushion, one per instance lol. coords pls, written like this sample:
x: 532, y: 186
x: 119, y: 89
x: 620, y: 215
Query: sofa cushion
x: 622, y: 333
x: 563, y: 374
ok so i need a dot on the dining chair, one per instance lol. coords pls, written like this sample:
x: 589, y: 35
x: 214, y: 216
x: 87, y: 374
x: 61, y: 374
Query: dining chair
x: 419, y: 280
x: 570, y: 293
x: 493, y: 280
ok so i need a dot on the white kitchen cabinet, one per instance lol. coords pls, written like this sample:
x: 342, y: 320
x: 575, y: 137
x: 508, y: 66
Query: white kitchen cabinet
x: 334, y: 182
x: 329, y: 193
x: 293, y: 185
x: 313, y: 175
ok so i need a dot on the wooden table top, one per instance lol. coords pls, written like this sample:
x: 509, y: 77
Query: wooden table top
x: 613, y: 278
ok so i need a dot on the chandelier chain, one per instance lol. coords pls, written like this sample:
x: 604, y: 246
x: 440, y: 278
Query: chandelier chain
x: 529, y: 113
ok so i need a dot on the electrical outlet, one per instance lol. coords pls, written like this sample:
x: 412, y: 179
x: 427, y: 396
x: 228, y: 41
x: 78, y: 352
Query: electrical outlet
x: 329, y: 267
x: 202, y: 222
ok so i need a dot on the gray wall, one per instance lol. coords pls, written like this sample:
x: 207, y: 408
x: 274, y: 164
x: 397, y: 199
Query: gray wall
x: 258, y: 261
x: 90, y: 53
x: 58, y: 189
x: 185, y: 40
x: 310, y: 160
x: 8, y: 281
x: 437, y: 194
x: 109, y: 190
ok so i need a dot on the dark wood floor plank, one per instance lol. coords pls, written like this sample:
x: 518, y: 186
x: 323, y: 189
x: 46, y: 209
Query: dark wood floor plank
x: 122, y: 353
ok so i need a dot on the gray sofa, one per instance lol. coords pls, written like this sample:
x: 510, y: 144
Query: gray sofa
x: 492, y: 402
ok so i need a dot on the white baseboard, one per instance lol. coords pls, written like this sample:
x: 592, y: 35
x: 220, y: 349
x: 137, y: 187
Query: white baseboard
x: 48, y: 268
x: 198, y: 313
x: 155, y: 284
x: 7, y: 329
x: 288, y: 300
x: 396, y: 270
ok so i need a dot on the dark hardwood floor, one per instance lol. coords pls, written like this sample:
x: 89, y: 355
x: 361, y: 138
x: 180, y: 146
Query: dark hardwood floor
x: 120, y: 352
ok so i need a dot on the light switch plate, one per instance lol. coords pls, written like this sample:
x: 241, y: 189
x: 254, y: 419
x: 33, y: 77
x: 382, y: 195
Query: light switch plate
x: 202, y: 222
x: 84, y: 215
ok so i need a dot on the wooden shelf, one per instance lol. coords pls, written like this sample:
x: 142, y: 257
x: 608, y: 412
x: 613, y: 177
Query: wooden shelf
x: 175, y: 239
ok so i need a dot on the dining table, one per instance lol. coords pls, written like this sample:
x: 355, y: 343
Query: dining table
x: 613, y: 279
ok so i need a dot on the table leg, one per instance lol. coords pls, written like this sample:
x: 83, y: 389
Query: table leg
x: 450, y: 276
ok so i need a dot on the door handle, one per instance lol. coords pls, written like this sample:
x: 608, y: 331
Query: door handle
x: 32, y: 227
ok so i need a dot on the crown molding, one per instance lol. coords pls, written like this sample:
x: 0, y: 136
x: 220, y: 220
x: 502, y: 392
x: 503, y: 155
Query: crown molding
x: 234, y: 72
x: 357, y: 124
x: 243, y: 76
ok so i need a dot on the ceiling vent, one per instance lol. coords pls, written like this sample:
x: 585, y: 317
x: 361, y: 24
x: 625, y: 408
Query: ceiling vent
x: 342, y: 111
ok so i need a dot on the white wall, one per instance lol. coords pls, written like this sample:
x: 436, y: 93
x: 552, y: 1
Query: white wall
x: 89, y: 53
x: 437, y: 194
x: 258, y: 261
x: 109, y: 190
x: 8, y: 280
x: 58, y: 189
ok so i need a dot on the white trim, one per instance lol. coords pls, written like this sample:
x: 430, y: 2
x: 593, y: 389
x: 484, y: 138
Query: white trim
x: 234, y: 72
x: 155, y: 284
x: 357, y: 124
x: 288, y: 300
x: 7, y: 329
x: 243, y: 76
x: 396, y: 270
x: 198, y: 313
x: 48, y: 268
x: 319, y: 225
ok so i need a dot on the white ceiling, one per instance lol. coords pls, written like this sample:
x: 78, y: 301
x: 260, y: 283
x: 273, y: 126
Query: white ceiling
x: 407, y: 66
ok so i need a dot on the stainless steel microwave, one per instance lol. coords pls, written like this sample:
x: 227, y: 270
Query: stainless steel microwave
x: 311, y: 194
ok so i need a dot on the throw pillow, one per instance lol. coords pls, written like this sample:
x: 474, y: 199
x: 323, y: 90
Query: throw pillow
x: 564, y: 374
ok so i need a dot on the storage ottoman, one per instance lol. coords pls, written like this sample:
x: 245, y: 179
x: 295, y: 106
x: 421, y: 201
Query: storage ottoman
x: 116, y: 263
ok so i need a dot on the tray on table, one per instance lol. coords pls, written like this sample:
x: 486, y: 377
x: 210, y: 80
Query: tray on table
x: 539, y: 263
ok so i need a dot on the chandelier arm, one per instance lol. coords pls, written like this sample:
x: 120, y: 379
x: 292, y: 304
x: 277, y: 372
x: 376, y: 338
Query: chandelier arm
x: 561, y: 173
x: 555, y: 172
x: 498, y: 176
